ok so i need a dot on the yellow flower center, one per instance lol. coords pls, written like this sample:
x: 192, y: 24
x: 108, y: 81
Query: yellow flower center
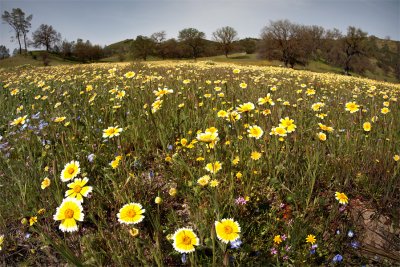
x: 228, y: 229
x: 77, y: 188
x: 186, y: 240
x: 131, y: 213
x: 69, y: 214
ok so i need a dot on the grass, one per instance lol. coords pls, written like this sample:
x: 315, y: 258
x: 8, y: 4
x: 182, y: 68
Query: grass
x: 288, y: 192
x: 34, y: 59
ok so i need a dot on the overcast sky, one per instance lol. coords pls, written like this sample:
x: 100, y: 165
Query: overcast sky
x: 105, y: 22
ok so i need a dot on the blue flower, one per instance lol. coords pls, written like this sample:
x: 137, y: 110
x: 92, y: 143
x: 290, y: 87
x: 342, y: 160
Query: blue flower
x: 337, y: 258
x: 236, y: 243
x: 184, y: 258
x: 354, y: 244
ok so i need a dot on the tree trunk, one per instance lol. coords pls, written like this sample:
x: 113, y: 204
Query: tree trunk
x: 19, y: 42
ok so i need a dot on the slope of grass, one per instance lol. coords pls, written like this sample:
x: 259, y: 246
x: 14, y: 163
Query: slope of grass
x: 33, y: 59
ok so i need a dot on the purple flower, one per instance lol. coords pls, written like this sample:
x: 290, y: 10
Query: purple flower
x: 337, y: 258
x: 240, y: 201
x: 90, y: 157
x: 354, y: 244
x: 273, y: 251
x: 184, y: 258
x: 236, y: 244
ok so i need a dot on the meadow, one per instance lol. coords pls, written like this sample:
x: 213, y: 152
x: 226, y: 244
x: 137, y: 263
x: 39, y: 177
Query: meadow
x: 196, y: 164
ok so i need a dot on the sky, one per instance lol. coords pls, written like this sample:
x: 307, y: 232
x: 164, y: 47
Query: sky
x: 108, y: 21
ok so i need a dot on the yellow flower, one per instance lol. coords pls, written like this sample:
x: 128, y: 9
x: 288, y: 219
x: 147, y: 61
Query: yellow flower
x: 236, y: 71
x: 203, y: 181
x: 222, y: 114
x: 78, y: 189
x: 45, y: 183
x: 214, y: 167
x: 172, y: 191
x: 59, y: 119
x: 111, y: 132
x: 227, y: 230
x: 321, y: 136
x: 311, y: 239
x: 325, y: 128
x: 367, y: 126
x: 129, y: 74
x: 233, y: 116
x: 277, y: 239
x: 236, y: 160
x: 352, y: 107
x: 396, y: 157
x: 267, y: 99
x: 255, y: 155
x: 134, y: 232
x: 156, y: 105
x: 288, y: 124
x: 19, y: 120
x: 210, y: 136
x: 185, y: 240
x: 1, y: 241
x: 68, y: 213
x: 114, y: 164
x: 341, y: 197
x: 70, y: 171
x: 385, y: 110
x: 255, y: 131
x: 158, y: 200
x: 246, y: 107
x: 243, y: 85
x: 131, y: 213
x: 214, y: 183
x: 32, y: 220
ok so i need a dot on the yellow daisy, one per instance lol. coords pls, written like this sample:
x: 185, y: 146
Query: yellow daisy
x: 70, y: 171
x: 341, y: 197
x: 111, y: 132
x: 131, y: 213
x: 214, y: 167
x: 78, y: 189
x: 19, y: 120
x: 311, y: 239
x: 255, y: 131
x: 352, y: 107
x: 68, y: 213
x: 227, y: 230
x: 185, y: 240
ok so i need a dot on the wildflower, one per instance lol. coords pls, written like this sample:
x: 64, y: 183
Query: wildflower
x: 114, y: 164
x: 158, y: 200
x: 240, y: 201
x: 321, y: 136
x: 222, y: 114
x: 78, y: 189
x: 214, y: 167
x: 317, y: 106
x: 243, y: 85
x: 325, y: 128
x: 203, y: 181
x: 385, y: 110
x: 129, y: 74
x: 288, y: 124
x: 337, y: 258
x: 41, y: 211
x: 172, y: 191
x: 341, y: 197
x: 236, y: 244
x: 367, y: 126
x: 59, y: 119
x: 273, y: 251
x: 134, y: 232
x: 131, y: 213
x: 233, y: 116
x: 210, y: 136
x: 396, y: 157
x: 236, y: 160
x: 156, y: 105
x: 267, y: 99
x: 70, y: 171
x: 68, y: 213
x: 255, y: 155
x: 111, y: 132
x: 352, y: 107
x: 1, y: 241
x: 214, y: 183
x: 19, y: 121
x: 45, y: 183
x: 90, y: 157
x: 311, y: 239
x: 246, y: 107
x: 277, y: 239
x: 236, y: 71
x: 227, y: 230
x: 354, y: 244
x: 32, y: 220
x: 255, y: 131
x: 350, y: 233
x: 185, y: 240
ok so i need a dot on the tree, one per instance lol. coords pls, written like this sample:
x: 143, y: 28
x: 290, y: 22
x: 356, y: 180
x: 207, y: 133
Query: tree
x: 354, y: 47
x: 143, y: 47
x: 248, y: 45
x: 159, y: 39
x: 192, y: 38
x: 4, y: 52
x: 20, y: 24
x: 45, y: 36
x: 225, y: 36
x: 284, y: 41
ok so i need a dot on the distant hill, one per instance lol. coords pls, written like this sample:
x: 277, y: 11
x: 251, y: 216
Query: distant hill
x: 34, y: 58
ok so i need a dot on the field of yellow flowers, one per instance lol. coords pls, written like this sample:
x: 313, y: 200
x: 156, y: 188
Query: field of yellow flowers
x: 194, y: 164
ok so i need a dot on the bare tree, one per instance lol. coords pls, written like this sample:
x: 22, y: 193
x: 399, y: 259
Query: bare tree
x: 225, y: 36
x: 194, y: 39
x: 45, y: 36
x: 20, y: 24
x: 159, y: 39
x: 284, y: 41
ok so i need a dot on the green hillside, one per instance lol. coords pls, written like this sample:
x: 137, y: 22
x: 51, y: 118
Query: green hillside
x: 34, y: 58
